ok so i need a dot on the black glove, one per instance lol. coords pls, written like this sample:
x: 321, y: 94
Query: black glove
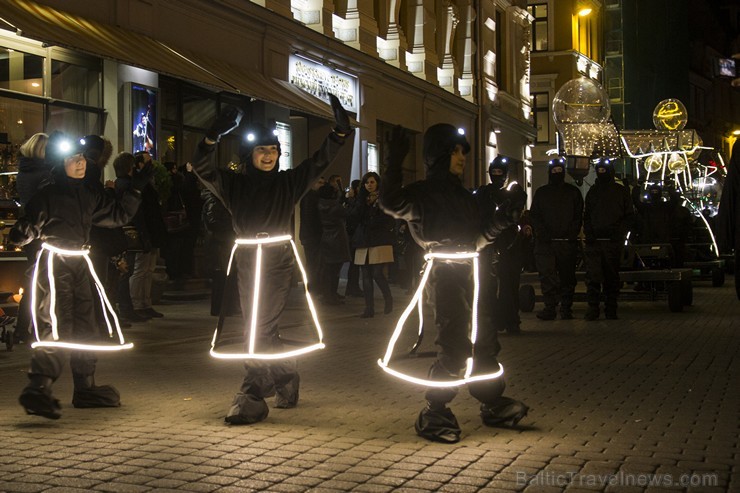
x: 224, y: 123
x: 398, y: 146
x: 341, y: 118
x: 142, y: 178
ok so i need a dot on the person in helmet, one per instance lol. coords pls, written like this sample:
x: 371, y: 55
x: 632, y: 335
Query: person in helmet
x: 608, y: 215
x: 557, y: 217
x: 261, y: 200
x: 502, y: 260
x: 61, y: 215
x: 443, y: 216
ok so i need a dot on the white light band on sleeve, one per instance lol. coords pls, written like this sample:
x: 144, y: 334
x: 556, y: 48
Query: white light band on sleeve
x: 109, y: 314
x: 251, y: 335
x: 468, y: 376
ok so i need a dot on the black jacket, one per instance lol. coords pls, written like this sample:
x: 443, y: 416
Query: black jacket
x: 729, y: 206
x: 608, y: 212
x: 334, y: 247
x: 33, y: 174
x: 310, y: 231
x: 148, y: 219
x: 63, y: 212
x: 492, y: 198
x: 262, y: 202
x: 373, y: 226
x: 557, y: 212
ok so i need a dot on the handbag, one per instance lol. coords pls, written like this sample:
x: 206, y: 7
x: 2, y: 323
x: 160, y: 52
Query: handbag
x: 176, y: 221
x: 133, y: 239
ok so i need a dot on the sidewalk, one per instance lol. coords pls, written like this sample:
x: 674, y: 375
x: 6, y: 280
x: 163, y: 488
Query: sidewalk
x: 651, y: 397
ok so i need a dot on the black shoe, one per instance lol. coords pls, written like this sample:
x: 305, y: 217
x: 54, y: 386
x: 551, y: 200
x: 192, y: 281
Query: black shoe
x: 38, y: 401
x: 388, y: 306
x: 438, y: 424
x: 592, y: 313
x: 153, y: 313
x: 367, y: 314
x: 504, y: 412
x: 355, y: 293
x: 247, y: 409
x: 96, y: 396
x: 546, y: 313
x: 611, y: 315
x: 134, y: 317
x: 566, y: 315
x: 514, y: 330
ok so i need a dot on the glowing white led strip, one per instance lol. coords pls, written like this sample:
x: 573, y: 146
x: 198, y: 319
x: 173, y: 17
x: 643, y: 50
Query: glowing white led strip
x: 52, y: 250
x: 251, y: 354
x: 416, y: 300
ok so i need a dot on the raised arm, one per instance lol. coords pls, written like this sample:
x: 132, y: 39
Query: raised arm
x: 394, y: 199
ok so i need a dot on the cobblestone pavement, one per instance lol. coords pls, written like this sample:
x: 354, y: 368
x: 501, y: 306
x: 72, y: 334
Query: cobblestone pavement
x: 645, y: 403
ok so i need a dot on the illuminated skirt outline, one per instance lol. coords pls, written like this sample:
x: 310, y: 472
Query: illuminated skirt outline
x: 111, y: 320
x: 251, y: 328
x: 417, y: 301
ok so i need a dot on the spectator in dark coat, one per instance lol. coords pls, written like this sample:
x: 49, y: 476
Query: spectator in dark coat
x: 334, y: 247
x: 353, y: 272
x: 310, y: 231
x: 373, y: 242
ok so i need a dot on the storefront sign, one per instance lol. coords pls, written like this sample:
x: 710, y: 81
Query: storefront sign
x: 320, y: 81
x: 286, y: 159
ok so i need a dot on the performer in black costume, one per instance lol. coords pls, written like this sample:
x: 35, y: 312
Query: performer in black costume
x: 608, y: 215
x: 557, y: 216
x: 61, y: 215
x: 443, y: 216
x: 262, y: 200
x: 502, y: 260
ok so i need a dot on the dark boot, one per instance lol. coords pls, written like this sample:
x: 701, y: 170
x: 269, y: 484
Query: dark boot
x: 286, y: 395
x: 566, y: 313
x: 247, y: 409
x: 437, y: 424
x: 610, y: 313
x: 547, y: 313
x: 503, y: 412
x: 89, y: 395
x: 592, y: 313
x: 37, y: 400
x: 388, y: 305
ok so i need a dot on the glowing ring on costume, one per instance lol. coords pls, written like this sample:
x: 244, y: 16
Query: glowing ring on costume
x: 251, y: 354
x: 468, y: 376
x: 111, y: 320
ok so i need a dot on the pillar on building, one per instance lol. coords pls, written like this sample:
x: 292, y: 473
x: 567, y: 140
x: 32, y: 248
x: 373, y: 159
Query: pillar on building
x: 421, y: 57
x: 446, y: 36
x: 392, y: 43
x: 465, y: 50
x: 281, y: 7
x: 354, y: 24
x: 315, y: 14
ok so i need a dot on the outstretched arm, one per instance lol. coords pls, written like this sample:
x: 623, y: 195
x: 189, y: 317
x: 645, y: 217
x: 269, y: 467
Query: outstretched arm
x: 394, y: 199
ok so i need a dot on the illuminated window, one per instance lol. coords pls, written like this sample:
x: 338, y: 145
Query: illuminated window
x: 76, y: 78
x: 21, y: 72
x: 541, y: 114
x: 539, y: 26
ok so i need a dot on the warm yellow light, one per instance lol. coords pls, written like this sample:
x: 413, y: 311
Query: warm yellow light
x: 584, y: 12
x: 736, y: 132
x: 17, y: 297
x: 35, y: 84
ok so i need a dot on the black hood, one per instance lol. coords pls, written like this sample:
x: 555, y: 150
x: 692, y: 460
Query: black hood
x: 559, y: 177
x: 607, y: 175
x: 439, y: 143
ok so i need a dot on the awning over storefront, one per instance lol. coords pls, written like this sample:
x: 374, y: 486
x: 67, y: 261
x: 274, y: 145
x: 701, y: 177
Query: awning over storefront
x: 48, y: 25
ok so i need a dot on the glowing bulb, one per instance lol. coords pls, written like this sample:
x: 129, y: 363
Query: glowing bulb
x: 676, y: 163
x: 82, y: 142
x: 250, y: 137
x: 653, y: 163
x: 584, y: 12
x: 461, y: 131
x: 275, y: 132
x: 65, y: 146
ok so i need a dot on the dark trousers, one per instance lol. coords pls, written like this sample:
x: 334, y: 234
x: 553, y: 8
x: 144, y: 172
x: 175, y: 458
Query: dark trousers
x: 330, y: 279
x: 353, y: 276
x: 370, y: 273
x: 556, y: 264
x: 602, y: 272
x: 313, y: 263
x: 75, y: 311
x: 500, y: 275
x: 262, y: 377
x: 450, y: 290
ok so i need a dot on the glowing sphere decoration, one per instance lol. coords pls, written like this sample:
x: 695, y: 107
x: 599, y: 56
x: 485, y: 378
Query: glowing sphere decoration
x: 653, y: 163
x: 670, y: 114
x: 676, y: 163
x: 581, y: 100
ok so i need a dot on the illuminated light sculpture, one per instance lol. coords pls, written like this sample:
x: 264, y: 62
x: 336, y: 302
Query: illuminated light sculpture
x: 653, y: 163
x: 417, y: 301
x: 670, y: 114
x: 109, y: 314
x: 251, y: 328
x: 677, y: 163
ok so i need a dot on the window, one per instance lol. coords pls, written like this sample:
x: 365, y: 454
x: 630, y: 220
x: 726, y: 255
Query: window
x: 539, y: 26
x: 21, y: 72
x: 500, y: 51
x: 198, y: 109
x: 542, y: 116
x: 76, y: 82
x: 72, y: 121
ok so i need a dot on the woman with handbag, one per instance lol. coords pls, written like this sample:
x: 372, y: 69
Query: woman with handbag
x: 373, y: 242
